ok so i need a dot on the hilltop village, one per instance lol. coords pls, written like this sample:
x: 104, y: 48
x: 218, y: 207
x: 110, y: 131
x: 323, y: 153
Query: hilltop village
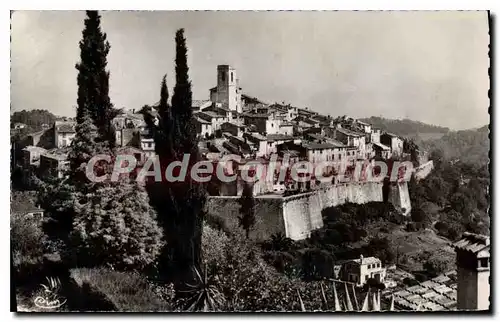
x: 230, y: 122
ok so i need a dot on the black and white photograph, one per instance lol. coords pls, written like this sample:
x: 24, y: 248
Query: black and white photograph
x: 250, y: 161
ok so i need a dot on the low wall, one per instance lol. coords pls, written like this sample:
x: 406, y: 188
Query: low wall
x: 297, y: 216
x: 268, y: 215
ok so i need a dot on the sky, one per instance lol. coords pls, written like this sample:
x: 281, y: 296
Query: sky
x: 427, y: 66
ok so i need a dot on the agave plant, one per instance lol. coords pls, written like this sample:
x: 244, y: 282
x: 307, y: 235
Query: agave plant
x: 347, y: 304
x: 53, y: 287
x: 49, y: 297
x: 204, y: 295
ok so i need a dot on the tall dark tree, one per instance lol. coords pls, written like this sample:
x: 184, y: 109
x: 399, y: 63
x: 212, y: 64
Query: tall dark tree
x: 247, y: 210
x: 179, y: 204
x: 93, y: 79
x: 184, y: 134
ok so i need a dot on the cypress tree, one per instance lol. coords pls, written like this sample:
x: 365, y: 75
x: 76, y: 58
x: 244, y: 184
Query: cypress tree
x: 184, y: 133
x: 179, y: 204
x: 93, y: 79
x: 247, y: 210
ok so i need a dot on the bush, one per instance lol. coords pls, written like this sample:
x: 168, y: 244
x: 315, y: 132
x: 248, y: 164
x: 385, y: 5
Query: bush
x: 317, y: 264
x: 420, y: 216
x: 116, y: 227
x: 213, y: 247
x: 372, y: 283
x: 410, y: 281
x: 380, y: 248
x: 102, y: 288
x: 437, y: 265
x: 27, y: 237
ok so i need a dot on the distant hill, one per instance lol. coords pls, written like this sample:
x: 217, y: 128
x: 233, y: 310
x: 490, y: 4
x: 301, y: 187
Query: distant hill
x: 33, y: 118
x: 469, y: 146
x: 406, y: 127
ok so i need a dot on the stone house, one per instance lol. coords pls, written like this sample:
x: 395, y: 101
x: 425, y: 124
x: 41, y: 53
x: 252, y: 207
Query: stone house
x: 64, y: 133
x: 214, y: 118
x: 203, y: 127
x: 360, y: 270
x: 394, y: 142
x: 258, y: 141
x: 53, y: 163
x: 234, y: 128
x: 31, y: 156
x: 381, y: 150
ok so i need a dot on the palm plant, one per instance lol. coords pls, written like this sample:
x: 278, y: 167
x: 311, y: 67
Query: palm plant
x: 204, y: 295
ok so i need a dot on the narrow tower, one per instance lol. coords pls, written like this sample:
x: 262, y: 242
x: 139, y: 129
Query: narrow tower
x: 228, y: 91
x: 473, y: 272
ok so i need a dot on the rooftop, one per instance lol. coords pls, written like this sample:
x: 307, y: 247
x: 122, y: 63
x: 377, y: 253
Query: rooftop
x: 473, y: 242
x: 211, y: 114
x: 65, y: 126
x: 200, y: 120
x: 438, y: 294
x: 256, y: 115
x: 349, y: 132
x: 199, y: 103
x: 56, y: 154
x: 32, y: 148
x: 318, y: 146
x: 382, y: 146
x: 366, y: 260
x: 256, y: 136
x: 279, y: 137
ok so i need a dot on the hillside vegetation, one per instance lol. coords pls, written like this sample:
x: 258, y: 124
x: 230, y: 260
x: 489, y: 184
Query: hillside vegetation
x: 468, y: 146
x: 404, y: 127
x: 33, y: 119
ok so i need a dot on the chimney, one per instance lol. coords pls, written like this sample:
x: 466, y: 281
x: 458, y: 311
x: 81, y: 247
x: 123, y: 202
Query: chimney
x: 361, y: 259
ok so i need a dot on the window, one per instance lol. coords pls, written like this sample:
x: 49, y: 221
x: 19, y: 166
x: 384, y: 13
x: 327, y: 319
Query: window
x: 483, y: 262
x: 367, y: 277
x: 222, y: 76
x: 231, y: 76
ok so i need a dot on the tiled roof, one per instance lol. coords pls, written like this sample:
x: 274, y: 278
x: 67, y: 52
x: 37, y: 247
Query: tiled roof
x: 211, y: 114
x: 382, y: 146
x: 367, y: 260
x: 200, y: 120
x: 433, y: 295
x: 257, y: 136
x: 318, y: 146
x: 473, y: 242
x: 65, y: 127
x: 234, y: 124
x: 349, y: 132
x: 199, y: 103
x: 55, y: 155
x: 279, y: 137
x: 255, y: 115
x: 32, y: 148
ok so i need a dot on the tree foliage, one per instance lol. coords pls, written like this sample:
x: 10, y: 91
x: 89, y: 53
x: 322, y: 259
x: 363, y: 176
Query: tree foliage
x: 115, y: 226
x: 179, y: 204
x: 403, y: 127
x: 34, y: 119
x: 93, y: 79
x: 247, y: 210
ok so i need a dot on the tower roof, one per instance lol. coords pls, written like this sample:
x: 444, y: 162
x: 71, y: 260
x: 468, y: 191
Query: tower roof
x: 474, y: 243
